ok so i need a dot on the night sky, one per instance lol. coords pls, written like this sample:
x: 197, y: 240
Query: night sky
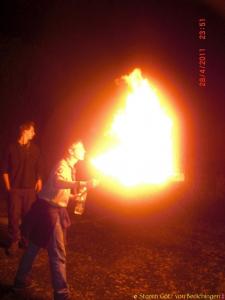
x: 59, y: 61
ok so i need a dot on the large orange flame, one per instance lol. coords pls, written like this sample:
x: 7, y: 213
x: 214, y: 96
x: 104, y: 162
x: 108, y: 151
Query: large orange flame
x: 144, y: 144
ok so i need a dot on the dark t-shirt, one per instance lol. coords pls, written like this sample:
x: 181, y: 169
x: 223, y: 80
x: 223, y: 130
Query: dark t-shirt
x: 23, y: 164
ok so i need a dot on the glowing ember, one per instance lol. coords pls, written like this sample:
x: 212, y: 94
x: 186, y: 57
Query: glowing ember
x: 143, y: 144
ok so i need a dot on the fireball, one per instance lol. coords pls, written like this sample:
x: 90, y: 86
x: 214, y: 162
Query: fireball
x: 141, y: 144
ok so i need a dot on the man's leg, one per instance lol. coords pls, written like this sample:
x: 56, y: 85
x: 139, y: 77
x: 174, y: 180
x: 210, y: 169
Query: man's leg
x: 57, y: 259
x: 25, y: 266
x: 29, y: 197
x: 14, y: 213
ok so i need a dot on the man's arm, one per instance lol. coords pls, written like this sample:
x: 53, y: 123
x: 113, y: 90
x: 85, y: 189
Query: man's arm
x: 5, y: 169
x: 62, y: 183
x: 67, y: 184
x: 39, y: 171
x: 62, y: 178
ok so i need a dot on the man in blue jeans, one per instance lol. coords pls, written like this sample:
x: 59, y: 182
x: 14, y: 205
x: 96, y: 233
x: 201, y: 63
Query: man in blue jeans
x: 48, y: 219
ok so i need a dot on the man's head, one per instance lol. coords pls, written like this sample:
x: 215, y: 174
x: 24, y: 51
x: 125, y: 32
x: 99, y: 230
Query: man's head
x: 27, y: 130
x: 77, y: 150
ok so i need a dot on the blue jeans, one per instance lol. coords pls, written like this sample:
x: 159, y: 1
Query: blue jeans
x: 57, y: 261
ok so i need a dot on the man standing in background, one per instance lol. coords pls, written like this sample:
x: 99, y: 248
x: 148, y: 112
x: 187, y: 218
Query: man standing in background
x: 22, y: 177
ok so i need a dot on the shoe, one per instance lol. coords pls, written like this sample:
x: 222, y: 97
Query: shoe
x: 12, y: 249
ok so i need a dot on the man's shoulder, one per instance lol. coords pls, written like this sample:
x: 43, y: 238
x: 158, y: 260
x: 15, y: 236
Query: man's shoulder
x: 63, y: 163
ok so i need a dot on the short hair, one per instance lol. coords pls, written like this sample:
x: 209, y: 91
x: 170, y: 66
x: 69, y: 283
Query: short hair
x: 75, y: 143
x: 26, y: 126
x: 70, y: 145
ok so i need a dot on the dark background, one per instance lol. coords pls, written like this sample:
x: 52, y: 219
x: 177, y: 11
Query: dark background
x: 58, y: 65
x: 59, y: 61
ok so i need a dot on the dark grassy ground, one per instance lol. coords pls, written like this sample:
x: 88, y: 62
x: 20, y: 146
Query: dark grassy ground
x: 151, y: 255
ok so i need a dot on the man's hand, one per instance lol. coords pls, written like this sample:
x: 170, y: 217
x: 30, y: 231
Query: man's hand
x: 38, y: 185
x: 6, y: 181
x: 8, y: 188
x: 94, y: 182
x: 89, y: 184
x: 83, y: 183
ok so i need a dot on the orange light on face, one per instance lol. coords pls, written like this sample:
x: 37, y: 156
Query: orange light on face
x: 143, y: 140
